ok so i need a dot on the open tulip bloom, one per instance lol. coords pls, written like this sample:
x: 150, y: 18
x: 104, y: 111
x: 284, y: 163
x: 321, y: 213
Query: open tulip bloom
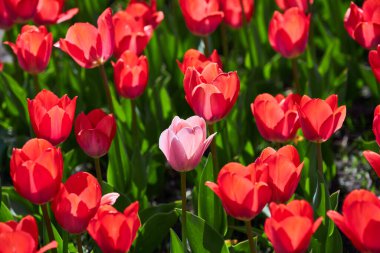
x: 194, y: 58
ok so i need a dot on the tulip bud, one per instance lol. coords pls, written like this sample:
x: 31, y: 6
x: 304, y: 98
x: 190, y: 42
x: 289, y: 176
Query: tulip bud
x: 184, y: 142
x: 21, y: 10
x: 194, y: 58
x: 52, y: 117
x: 287, y: 4
x: 374, y: 61
x: 233, y: 12
x: 51, y: 12
x: 211, y: 93
x: 244, y: 191
x: 289, y: 32
x: 276, y: 117
x: 114, y: 231
x: 87, y: 45
x: 202, y: 17
x: 131, y: 75
x: 290, y: 227
x: 36, y: 170
x: 359, y: 220
x: 320, y: 118
x: 33, y: 48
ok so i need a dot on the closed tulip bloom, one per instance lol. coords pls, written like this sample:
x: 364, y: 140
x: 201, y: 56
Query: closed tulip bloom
x: 244, y: 191
x: 87, y: 45
x: 290, y: 227
x: 289, y: 32
x: 202, y: 17
x: 6, y: 21
x: 376, y: 124
x: 194, y: 58
x: 33, y: 48
x: 77, y: 202
x: 360, y: 220
x: 131, y: 75
x: 36, y: 170
x: 320, y: 118
x: 114, y: 232
x: 276, y: 117
x: 51, y: 12
x: 52, y: 117
x: 233, y: 12
x: 184, y: 142
x: 135, y: 25
x: 373, y: 159
x: 284, y: 171
x: 21, y: 237
x: 287, y: 4
x: 363, y: 24
x: 374, y: 61
x: 21, y: 10
x: 94, y: 132
x: 211, y: 93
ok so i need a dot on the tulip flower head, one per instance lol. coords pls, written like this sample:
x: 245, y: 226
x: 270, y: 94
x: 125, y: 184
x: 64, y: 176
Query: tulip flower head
x: 291, y: 226
x: 211, y: 93
x: 372, y: 157
x: 21, y: 237
x: 289, y: 32
x: 36, y: 170
x: 284, y: 171
x: 376, y: 124
x: 320, y: 118
x: 21, y: 10
x: 244, y: 191
x: 77, y: 202
x: 194, y: 58
x: 233, y: 12
x: 287, y: 4
x: 33, y: 48
x: 51, y: 12
x: 87, y: 45
x: 94, y: 132
x: 52, y: 117
x: 359, y: 220
x: 374, y: 61
x: 363, y: 24
x: 113, y: 231
x: 6, y: 21
x: 184, y: 142
x: 202, y: 17
x: 276, y: 117
x: 131, y: 75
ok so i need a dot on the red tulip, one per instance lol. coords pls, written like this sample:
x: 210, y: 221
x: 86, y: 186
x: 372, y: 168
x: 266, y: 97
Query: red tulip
x: 87, y: 45
x: 202, y: 17
x: 360, y: 220
x: 373, y: 159
x: 77, y: 202
x: 289, y: 32
x: 211, y: 93
x: 51, y: 12
x: 36, y: 170
x: 376, y: 124
x: 243, y: 190
x: 131, y: 75
x: 33, y: 48
x: 113, y: 231
x: 6, y: 21
x: 134, y: 27
x: 194, y: 58
x: 233, y: 13
x: 291, y: 226
x: 1, y: 66
x: 374, y: 61
x: 21, y: 10
x: 276, y: 117
x: 21, y: 237
x: 52, y: 117
x: 363, y: 25
x: 284, y: 171
x: 287, y: 4
x: 320, y: 118
x: 94, y: 132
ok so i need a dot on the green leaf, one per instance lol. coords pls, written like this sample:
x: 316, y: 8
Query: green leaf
x: 334, y: 242
x: 202, y: 237
x: 175, y: 243
x: 5, y: 213
x: 162, y: 208
x: 242, y: 247
x: 209, y: 205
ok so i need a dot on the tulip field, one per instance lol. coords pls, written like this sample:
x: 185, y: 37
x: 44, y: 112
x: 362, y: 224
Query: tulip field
x: 189, y: 126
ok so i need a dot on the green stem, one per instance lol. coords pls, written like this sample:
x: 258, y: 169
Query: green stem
x: 134, y: 118
x: 250, y: 42
x: 206, y: 41
x: 79, y: 243
x: 319, y: 159
x: 45, y: 214
x: 65, y: 241
x: 296, y: 85
x: 98, y: 171
x: 224, y: 41
x: 214, y: 151
x: 250, y: 236
x: 183, y: 194
x: 36, y: 84
x: 106, y: 88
